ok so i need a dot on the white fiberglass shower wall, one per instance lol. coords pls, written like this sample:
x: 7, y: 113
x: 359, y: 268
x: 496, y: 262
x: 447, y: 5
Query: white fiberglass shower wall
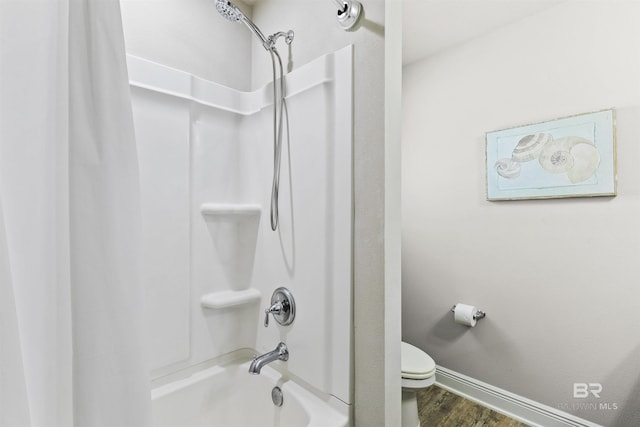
x: 206, y: 161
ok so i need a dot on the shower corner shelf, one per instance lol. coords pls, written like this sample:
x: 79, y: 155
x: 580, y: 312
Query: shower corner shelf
x: 225, y: 299
x: 235, y: 210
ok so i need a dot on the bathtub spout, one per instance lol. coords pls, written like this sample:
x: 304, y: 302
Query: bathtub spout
x: 280, y: 353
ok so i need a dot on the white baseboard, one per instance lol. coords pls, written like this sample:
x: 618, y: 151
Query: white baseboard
x: 504, y: 402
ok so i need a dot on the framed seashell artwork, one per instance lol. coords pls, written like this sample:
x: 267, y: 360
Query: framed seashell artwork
x: 568, y: 157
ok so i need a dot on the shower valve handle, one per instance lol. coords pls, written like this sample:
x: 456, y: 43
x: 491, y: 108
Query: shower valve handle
x: 283, y: 307
x: 275, y: 309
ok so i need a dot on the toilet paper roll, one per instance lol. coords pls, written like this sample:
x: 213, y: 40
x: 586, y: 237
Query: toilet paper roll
x: 463, y: 314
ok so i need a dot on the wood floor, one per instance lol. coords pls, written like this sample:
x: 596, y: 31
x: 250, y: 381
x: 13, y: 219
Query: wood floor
x: 440, y: 408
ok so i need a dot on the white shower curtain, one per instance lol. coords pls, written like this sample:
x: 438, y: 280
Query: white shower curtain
x: 71, y: 345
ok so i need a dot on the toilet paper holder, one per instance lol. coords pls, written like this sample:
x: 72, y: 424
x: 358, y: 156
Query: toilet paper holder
x: 479, y: 314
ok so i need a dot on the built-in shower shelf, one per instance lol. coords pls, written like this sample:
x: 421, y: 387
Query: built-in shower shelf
x: 233, y: 210
x: 224, y: 299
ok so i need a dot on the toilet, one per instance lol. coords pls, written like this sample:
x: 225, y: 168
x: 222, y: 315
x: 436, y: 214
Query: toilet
x: 418, y: 372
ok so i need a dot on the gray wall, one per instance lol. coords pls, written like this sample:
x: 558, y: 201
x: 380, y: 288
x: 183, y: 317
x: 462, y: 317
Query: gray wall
x: 559, y: 279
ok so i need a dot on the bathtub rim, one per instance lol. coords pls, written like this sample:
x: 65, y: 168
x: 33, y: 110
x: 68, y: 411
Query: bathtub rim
x: 177, y: 380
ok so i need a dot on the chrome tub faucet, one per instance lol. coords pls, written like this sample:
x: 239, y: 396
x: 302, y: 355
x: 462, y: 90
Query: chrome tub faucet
x: 280, y: 353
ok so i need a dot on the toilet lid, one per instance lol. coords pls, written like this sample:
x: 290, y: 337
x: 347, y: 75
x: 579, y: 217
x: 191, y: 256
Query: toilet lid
x: 416, y: 364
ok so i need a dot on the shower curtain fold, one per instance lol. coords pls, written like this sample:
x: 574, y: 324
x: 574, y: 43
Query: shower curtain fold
x: 72, y: 347
x: 13, y: 398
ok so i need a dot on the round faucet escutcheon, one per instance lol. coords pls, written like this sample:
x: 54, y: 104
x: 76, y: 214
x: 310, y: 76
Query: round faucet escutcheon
x: 283, y: 307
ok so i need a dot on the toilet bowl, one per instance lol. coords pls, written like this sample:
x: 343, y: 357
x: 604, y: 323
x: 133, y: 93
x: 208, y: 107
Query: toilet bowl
x: 418, y: 372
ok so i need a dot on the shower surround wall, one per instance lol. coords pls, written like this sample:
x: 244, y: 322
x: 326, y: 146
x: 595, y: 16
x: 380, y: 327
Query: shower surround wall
x: 376, y: 266
x: 206, y: 158
x: 190, y: 35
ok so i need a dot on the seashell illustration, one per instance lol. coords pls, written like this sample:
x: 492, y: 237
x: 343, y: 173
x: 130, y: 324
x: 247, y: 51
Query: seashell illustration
x: 559, y: 162
x: 529, y: 147
x: 507, y: 168
x: 586, y: 161
x: 556, y: 155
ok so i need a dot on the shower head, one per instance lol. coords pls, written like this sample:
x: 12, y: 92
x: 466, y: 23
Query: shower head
x: 234, y: 14
x: 229, y: 10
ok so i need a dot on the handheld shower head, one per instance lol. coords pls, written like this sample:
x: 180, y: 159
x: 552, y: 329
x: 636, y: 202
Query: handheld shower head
x: 234, y: 14
x: 229, y: 10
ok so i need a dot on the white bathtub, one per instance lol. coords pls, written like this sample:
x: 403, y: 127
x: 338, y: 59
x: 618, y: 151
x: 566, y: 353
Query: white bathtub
x: 228, y: 396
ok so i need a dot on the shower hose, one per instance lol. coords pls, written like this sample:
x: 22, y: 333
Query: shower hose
x: 278, y: 109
